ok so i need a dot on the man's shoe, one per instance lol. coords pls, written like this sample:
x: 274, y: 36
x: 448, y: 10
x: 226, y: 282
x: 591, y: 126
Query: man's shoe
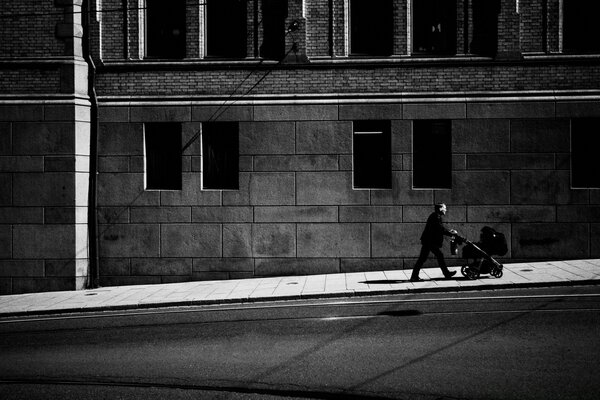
x: 417, y: 279
x: 450, y: 274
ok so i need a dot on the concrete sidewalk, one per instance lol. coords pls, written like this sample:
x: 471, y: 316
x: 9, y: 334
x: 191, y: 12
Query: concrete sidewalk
x: 295, y: 287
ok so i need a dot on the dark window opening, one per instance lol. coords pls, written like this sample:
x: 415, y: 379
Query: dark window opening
x: 434, y: 27
x: 220, y: 155
x: 371, y: 27
x: 226, y: 28
x: 580, y: 26
x: 432, y: 154
x: 372, y: 155
x: 165, y: 29
x: 585, y: 142
x: 274, y: 13
x: 485, y: 27
x: 163, y: 155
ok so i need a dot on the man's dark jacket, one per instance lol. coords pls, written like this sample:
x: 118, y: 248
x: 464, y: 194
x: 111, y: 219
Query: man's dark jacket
x: 433, y: 235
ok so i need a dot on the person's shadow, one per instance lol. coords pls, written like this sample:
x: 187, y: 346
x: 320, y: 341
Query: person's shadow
x: 384, y: 281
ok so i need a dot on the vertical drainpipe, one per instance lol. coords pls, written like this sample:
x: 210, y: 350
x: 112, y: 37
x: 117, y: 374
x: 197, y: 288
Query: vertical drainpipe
x: 125, y: 29
x: 331, y: 43
x: 94, y: 271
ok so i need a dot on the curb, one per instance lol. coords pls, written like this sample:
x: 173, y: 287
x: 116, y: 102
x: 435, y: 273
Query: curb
x: 310, y: 296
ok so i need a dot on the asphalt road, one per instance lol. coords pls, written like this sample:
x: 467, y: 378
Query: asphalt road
x: 510, y: 344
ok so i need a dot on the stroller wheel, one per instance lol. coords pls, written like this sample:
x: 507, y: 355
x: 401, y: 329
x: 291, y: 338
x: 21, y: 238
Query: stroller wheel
x: 469, y: 272
x: 497, y: 272
x: 465, y: 270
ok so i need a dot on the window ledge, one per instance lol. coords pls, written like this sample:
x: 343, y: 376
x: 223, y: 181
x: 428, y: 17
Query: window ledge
x: 350, y: 61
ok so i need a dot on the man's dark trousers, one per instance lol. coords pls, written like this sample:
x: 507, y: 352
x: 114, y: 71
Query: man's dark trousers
x: 425, y: 250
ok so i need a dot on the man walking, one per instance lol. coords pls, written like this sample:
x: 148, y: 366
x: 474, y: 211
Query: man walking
x: 432, y: 240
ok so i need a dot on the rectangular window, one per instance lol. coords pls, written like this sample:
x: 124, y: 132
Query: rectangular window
x: 162, y: 146
x: 274, y: 30
x: 372, y: 155
x: 220, y: 155
x: 434, y: 27
x: 580, y: 30
x: 165, y: 29
x: 585, y: 142
x: 226, y: 28
x: 371, y: 27
x: 485, y: 27
x: 432, y: 154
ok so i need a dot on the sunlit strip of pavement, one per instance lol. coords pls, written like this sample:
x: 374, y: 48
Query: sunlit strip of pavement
x: 341, y: 285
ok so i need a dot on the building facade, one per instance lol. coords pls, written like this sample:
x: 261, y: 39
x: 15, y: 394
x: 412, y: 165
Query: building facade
x: 246, y: 138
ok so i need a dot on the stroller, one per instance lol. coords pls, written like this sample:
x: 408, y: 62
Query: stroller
x: 491, y: 243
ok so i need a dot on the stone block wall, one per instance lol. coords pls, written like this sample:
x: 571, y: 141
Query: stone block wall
x: 296, y: 211
x: 44, y: 158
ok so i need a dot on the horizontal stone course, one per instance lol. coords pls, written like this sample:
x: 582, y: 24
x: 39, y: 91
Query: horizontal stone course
x: 277, y: 188
x: 306, y: 112
x: 513, y: 214
x: 587, y: 213
x: 296, y: 163
x: 274, y: 240
x: 37, y: 138
x: 5, y: 241
x: 477, y: 187
x: 129, y: 240
x: 42, y: 284
x: 333, y: 240
x: 222, y: 214
x: 121, y: 139
x: 480, y: 135
x: 551, y: 241
x: 510, y: 161
x: 21, y: 268
x: 370, y: 111
x: 21, y: 112
x: 125, y: 189
x: 455, y: 213
x: 266, y: 138
x: 540, y: 135
x: 544, y: 187
x: 531, y: 109
x: 21, y: 164
x: 370, y: 214
x: 5, y: 138
x: 402, y: 192
x: 324, y: 137
x: 160, y: 214
x: 434, y: 111
x: 296, y: 266
x: 21, y: 215
x: 190, y: 240
x: 296, y: 214
x: 237, y: 240
x: 328, y: 188
x: 227, y: 265
x: 577, y: 109
x: 113, y: 114
x: 40, y: 241
x: 161, y: 266
x: 43, y: 189
x: 396, y: 240
x: 160, y: 113
x: 224, y: 112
